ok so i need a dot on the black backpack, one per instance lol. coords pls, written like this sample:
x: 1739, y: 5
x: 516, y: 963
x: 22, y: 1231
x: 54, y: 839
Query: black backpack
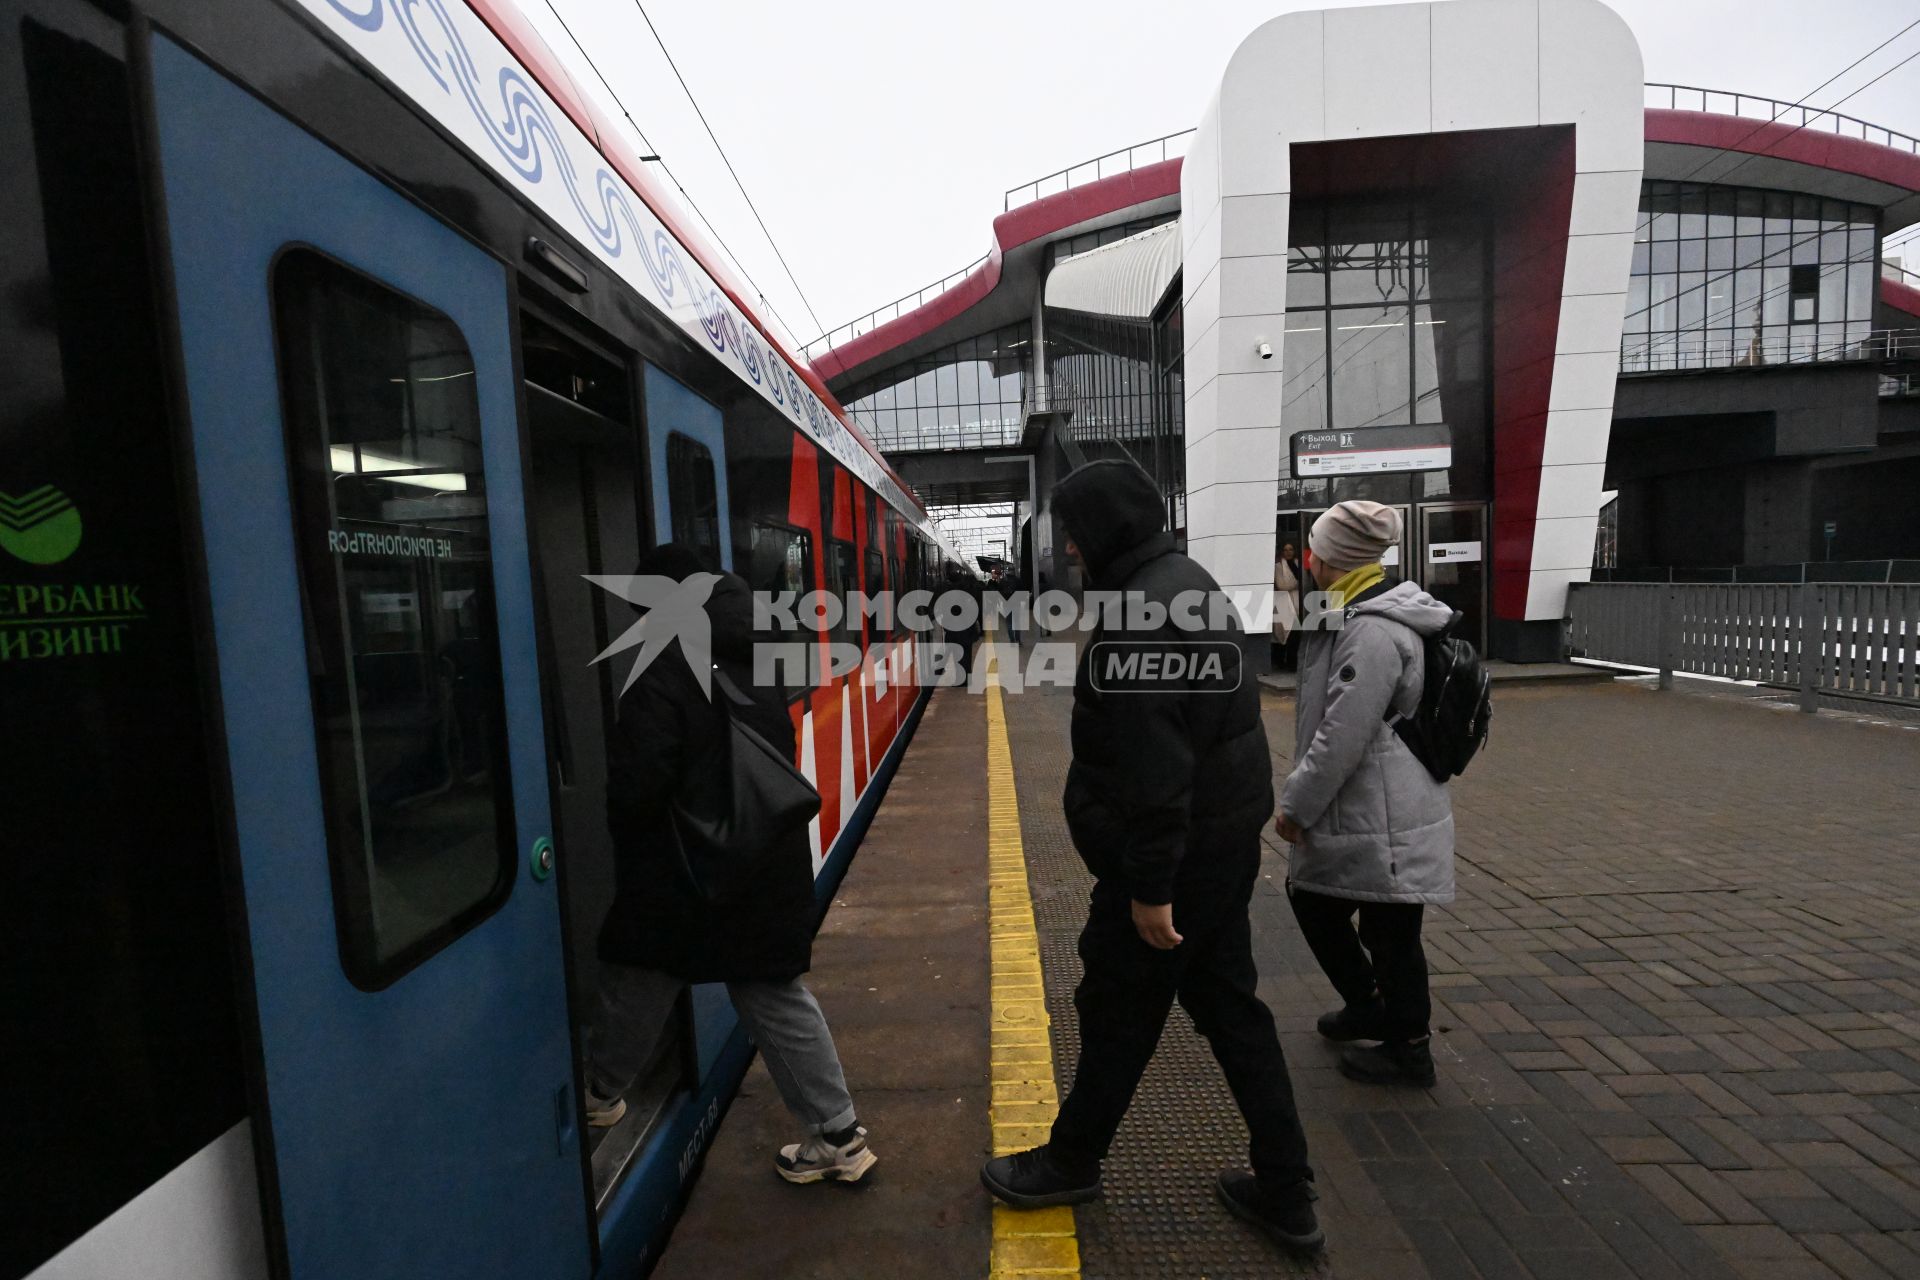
x: 1449, y: 726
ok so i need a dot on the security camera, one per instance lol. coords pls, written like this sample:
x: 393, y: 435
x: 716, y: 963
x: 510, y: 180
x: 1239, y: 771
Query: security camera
x: 1266, y: 350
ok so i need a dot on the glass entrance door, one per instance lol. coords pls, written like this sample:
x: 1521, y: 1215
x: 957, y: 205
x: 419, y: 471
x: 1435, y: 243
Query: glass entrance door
x: 1453, y: 562
x: 1293, y: 527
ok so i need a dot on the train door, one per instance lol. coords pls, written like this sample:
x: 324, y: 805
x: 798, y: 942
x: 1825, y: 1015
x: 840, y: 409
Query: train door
x: 687, y: 449
x: 585, y: 509
x: 350, y: 383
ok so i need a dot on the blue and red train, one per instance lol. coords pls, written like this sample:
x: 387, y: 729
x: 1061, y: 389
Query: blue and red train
x: 344, y: 340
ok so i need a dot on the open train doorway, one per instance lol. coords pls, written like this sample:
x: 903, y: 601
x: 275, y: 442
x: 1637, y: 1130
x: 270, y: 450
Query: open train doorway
x: 587, y: 507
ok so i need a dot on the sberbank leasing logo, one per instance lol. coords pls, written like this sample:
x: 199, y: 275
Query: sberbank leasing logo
x: 41, y: 528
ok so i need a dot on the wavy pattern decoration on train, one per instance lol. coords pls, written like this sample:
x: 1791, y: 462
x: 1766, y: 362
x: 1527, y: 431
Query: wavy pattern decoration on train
x: 447, y: 66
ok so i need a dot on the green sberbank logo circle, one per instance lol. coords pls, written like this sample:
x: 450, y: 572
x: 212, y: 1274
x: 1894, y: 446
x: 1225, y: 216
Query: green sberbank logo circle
x: 41, y: 528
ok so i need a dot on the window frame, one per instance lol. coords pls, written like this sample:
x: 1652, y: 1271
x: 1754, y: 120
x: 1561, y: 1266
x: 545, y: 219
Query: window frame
x: 807, y: 572
x: 363, y: 968
x: 838, y: 585
x: 710, y: 552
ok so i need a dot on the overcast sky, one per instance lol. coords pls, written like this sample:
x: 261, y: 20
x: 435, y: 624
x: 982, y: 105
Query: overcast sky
x: 878, y: 138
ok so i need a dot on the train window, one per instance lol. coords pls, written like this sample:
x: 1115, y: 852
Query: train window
x: 391, y: 524
x: 843, y: 581
x: 782, y: 559
x: 693, y: 499
x: 876, y: 583
x: 782, y: 564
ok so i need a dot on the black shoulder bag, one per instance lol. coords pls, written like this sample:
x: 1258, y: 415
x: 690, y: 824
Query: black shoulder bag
x: 766, y: 800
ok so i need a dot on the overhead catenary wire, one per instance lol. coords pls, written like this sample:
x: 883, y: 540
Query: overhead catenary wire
x: 1749, y: 158
x: 1721, y: 179
x: 671, y: 176
x: 1802, y: 103
x: 730, y: 169
x: 1721, y: 152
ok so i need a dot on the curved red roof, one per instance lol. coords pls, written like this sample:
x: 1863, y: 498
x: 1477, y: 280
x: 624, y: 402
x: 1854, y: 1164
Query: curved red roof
x: 1044, y: 217
x: 1837, y: 152
x: 1900, y: 295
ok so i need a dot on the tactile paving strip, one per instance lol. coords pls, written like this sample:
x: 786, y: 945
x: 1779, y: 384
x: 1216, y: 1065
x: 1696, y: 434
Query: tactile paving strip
x: 1158, y: 1217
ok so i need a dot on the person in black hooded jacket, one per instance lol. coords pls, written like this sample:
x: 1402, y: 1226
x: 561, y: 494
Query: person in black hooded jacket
x: 1170, y: 786
x: 669, y: 745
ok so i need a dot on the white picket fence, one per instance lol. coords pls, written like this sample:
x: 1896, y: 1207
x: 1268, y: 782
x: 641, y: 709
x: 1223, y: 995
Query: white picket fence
x: 1852, y: 639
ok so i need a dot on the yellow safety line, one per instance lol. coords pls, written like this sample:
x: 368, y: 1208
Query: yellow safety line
x: 1026, y: 1242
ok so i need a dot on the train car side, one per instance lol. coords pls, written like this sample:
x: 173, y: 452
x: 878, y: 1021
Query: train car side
x: 316, y: 725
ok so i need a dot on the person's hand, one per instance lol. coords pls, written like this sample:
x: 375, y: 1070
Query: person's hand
x: 1155, y: 925
x: 1289, y: 830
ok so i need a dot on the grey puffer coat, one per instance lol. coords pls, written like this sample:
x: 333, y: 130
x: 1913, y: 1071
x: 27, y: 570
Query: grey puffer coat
x: 1378, y: 827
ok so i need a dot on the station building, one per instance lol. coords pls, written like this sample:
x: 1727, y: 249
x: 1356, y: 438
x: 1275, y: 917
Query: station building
x: 1651, y: 322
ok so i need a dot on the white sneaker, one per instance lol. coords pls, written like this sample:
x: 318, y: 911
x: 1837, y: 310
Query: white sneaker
x: 818, y: 1158
x: 604, y: 1113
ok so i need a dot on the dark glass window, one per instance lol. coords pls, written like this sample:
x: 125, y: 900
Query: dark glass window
x: 390, y: 506
x: 782, y: 564
x: 1804, y: 294
x: 876, y: 583
x: 843, y: 579
x: 115, y: 934
x: 693, y: 499
x: 782, y: 559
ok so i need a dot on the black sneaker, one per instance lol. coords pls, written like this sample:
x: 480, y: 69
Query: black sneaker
x: 1284, y: 1214
x: 1038, y: 1178
x: 1393, y: 1062
x: 1355, y: 1022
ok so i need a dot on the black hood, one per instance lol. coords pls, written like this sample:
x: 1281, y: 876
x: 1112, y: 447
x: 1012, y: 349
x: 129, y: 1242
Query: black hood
x: 730, y: 611
x: 1110, y: 508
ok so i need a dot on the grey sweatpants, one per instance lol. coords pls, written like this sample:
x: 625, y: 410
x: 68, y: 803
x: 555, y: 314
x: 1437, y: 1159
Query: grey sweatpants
x: 782, y: 1017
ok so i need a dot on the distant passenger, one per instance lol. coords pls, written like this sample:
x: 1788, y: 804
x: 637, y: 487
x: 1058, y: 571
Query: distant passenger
x: 1371, y: 830
x: 670, y: 743
x: 1007, y: 586
x: 1286, y: 608
x: 968, y: 636
x: 1170, y: 787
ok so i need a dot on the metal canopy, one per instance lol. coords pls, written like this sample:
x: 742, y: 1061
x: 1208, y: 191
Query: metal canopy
x: 1126, y: 278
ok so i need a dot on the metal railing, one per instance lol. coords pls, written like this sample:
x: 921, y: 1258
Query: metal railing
x: 980, y: 433
x: 1894, y: 271
x: 1864, y: 571
x: 892, y: 311
x: 1721, y: 349
x: 1125, y: 160
x: 1845, y: 639
x: 1686, y: 97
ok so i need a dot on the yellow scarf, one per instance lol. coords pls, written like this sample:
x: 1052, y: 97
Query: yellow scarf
x: 1353, y: 582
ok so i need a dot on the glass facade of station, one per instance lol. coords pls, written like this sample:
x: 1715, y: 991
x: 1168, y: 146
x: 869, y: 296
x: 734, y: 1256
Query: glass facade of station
x: 1387, y: 326
x: 1735, y: 277
x: 966, y: 396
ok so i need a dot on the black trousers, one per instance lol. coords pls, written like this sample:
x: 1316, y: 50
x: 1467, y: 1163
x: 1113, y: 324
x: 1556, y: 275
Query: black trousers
x: 1391, y: 964
x: 1123, y: 1001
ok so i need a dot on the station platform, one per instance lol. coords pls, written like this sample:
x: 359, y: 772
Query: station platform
x: 1677, y: 1021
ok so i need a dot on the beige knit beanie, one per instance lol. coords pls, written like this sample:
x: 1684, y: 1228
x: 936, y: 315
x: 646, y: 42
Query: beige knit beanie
x: 1351, y: 534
